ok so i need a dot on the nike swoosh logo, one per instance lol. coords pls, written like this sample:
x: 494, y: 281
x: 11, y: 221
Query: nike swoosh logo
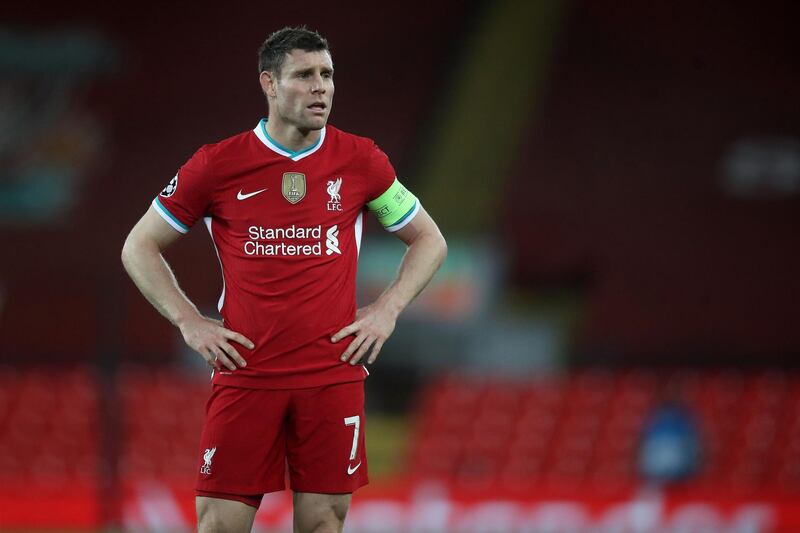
x: 351, y: 470
x: 241, y: 196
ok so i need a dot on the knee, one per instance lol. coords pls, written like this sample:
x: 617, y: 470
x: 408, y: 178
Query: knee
x: 328, y: 518
x: 222, y: 516
x: 207, y: 519
x: 338, y: 512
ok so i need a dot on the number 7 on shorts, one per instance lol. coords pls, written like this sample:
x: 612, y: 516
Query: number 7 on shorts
x: 353, y: 421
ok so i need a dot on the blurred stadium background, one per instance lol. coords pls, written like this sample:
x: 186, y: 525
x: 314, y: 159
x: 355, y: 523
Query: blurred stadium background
x: 612, y: 344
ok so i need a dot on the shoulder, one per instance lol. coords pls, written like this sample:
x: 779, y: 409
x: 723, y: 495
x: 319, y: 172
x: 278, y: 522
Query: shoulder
x: 350, y: 141
x: 226, y: 146
x: 223, y: 156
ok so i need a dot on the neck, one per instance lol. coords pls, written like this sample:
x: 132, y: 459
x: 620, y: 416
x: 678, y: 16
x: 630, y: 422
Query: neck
x: 290, y: 136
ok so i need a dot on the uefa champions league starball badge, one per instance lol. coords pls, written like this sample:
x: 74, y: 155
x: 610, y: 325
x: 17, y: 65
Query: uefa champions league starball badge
x: 169, y: 190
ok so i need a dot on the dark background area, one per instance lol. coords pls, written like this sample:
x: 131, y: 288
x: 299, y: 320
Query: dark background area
x: 618, y: 190
x: 642, y: 247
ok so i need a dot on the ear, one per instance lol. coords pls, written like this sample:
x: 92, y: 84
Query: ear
x: 268, y: 83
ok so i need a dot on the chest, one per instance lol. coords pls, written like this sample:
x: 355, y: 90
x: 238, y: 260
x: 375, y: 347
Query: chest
x: 281, y: 195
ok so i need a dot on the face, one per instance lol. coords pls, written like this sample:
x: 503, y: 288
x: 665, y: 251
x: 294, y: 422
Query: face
x: 303, y: 94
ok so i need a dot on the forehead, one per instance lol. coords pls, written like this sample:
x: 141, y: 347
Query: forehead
x: 300, y: 60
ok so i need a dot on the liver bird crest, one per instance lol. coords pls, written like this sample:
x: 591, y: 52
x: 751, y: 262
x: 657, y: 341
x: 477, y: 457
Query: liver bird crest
x: 333, y: 189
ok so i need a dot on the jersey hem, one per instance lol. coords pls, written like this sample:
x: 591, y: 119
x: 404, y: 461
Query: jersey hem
x: 287, y: 382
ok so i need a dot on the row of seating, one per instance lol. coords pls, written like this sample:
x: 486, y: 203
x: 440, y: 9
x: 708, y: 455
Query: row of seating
x: 586, y: 427
x: 577, y: 428
x: 164, y: 415
x: 50, y: 427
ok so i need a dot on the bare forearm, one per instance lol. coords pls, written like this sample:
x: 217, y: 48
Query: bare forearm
x: 421, y: 261
x: 142, y: 258
x: 151, y: 274
x: 375, y: 322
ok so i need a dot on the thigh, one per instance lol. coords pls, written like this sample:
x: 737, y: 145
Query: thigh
x: 223, y: 516
x: 314, y: 510
x: 325, y: 439
x: 242, y: 448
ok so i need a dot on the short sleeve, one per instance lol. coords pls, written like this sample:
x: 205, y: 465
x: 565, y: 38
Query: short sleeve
x: 392, y: 204
x: 379, y: 172
x: 186, y: 197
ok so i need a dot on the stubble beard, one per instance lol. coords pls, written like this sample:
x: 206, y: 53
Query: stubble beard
x: 302, y: 124
x: 312, y: 124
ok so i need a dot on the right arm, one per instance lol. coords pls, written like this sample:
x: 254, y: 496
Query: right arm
x: 141, y: 256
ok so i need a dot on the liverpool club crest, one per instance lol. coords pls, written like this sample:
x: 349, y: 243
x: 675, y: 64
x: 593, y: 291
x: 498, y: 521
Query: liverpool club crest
x: 294, y: 186
x: 336, y: 198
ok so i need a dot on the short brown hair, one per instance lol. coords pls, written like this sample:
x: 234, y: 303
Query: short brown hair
x: 272, y: 53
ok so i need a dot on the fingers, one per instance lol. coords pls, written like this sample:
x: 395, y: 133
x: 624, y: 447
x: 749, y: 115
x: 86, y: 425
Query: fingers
x: 230, y: 356
x: 233, y: 354
x: 238, y: 337
x: 210, y: 359
x: 359, y: 347
x: 210, y: 339
x: 355, y: 345
x: 223, y: 355
x: 376, y: 348
x: 362, y: 350
x: 222, y: 359
x: 344, y: 332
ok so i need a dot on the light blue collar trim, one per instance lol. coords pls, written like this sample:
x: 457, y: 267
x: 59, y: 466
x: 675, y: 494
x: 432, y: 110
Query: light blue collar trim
x: 261, y: 132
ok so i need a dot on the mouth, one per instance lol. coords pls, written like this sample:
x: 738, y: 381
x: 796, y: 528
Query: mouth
x: 318, y: 107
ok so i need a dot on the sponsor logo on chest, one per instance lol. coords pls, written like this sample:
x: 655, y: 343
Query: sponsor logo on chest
x: 292, y: 241
x: 297, y: 240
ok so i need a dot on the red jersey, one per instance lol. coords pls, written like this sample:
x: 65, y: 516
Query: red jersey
x: 287, y: 229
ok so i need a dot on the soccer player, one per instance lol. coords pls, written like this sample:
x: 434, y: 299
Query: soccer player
x: 284, y: 205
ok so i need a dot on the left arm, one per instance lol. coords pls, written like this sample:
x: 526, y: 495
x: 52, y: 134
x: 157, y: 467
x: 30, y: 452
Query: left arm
x: 375, y: 322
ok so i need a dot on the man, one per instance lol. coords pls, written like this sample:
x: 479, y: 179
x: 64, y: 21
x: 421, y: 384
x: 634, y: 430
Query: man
x: 284, y: 205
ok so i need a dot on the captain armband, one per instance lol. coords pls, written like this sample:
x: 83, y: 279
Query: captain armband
x: 396, y: 207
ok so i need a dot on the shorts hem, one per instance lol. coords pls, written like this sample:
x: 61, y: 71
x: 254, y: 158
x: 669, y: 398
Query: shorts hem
x: 326, y: 490
x: 253, y: 500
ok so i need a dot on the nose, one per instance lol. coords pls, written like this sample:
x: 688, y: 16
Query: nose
x: 317, y: 86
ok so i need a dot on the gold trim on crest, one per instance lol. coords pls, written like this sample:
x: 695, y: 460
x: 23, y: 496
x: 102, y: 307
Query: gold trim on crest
x: 293, y: 186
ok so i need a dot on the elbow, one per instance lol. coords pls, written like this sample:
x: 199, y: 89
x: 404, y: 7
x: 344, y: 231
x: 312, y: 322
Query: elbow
x: 127, y: 251
x: 138, y: 247
x: 442, y: 248
x: 131, y: 249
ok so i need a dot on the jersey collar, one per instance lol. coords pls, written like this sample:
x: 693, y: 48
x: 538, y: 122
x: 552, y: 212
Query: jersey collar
x: 261, y: 132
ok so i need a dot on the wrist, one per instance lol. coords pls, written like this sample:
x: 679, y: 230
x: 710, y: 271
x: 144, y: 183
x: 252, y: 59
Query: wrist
x: 184, y: 319
x: 390, y: 305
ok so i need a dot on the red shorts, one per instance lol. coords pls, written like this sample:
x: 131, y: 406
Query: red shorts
x: 250, y: 435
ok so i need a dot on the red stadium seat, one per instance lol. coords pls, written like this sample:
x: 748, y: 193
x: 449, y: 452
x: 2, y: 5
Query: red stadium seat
x: 563, y: 431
